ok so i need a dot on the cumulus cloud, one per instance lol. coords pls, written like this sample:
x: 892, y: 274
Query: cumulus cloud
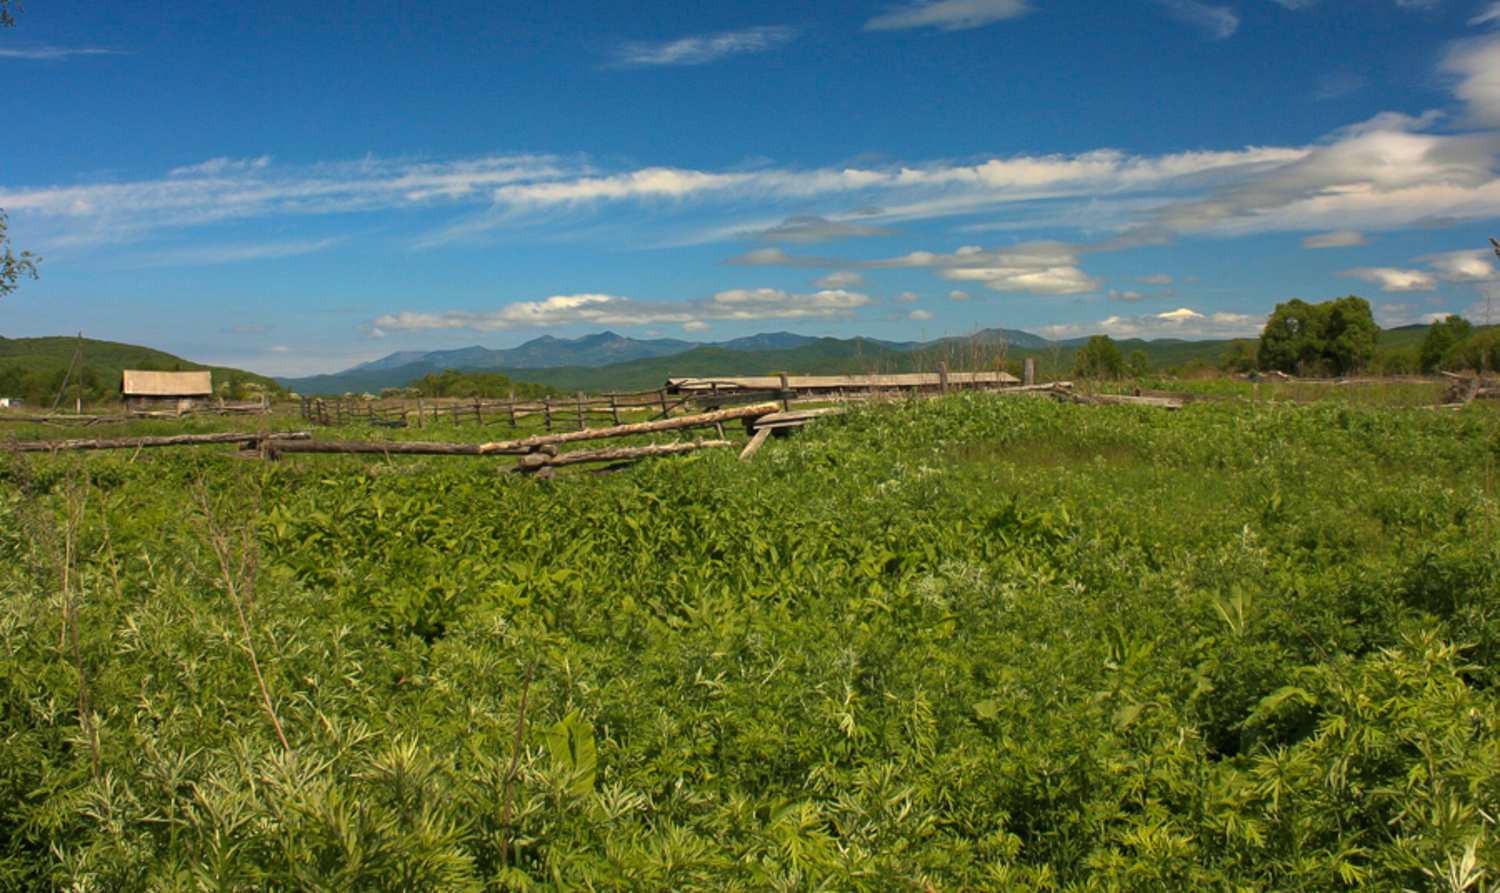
x: 1216, y: 22
x: 1155, y: 279
x: 1344, y: 238
x: 810, y: 230
x: 843, y: 279
x: 906, y: 297
x: 1039, y: 268
x: 1183, y: 322
x: 1394, y: 279
x: 919, y: 315
x: 1462, y: 266
x: 958, y: 295
x: 701, y: 49
x: 741, y: 304
x: 948, y: 15
x: 1450, y: 266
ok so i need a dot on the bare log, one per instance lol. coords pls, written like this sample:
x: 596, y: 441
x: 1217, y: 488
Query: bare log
x: 529, y: 444
x: 755, y: 443
x: 533, y: 461
x: 268, y: 440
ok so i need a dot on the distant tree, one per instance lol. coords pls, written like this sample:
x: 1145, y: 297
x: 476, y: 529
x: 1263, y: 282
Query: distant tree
x: 1336, y: 337
x: 1241, y: 357
x: 1099, y: 358
x: 12, y: 266
x: 1440, y: 348
x: 1138, y: 365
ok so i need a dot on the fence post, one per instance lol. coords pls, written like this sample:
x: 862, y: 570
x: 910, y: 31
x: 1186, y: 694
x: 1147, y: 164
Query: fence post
x: 547, y: 411
x: 943, y: 378
x: 786, y: 385
x: 421, y: 422
x: 581, y: 404
x: 614, y: 407
x: 1028, y: 372
x: 666, y: 411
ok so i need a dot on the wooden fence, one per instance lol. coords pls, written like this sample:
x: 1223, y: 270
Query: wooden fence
x: 575, y: 413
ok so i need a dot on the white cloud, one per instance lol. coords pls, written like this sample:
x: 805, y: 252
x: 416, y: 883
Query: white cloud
x: 1155, y: 279
x: 948, y: 15
x: 1393, y: 279
x: 844, y: 279
x: 1489, y: 15
x: 1476, y: 63
x: 1217, y: 22
x: 1462, y: 266
x: 741, y: 304
x: 919, y: 315
x: 701, y: 49
x: 53, y: 53
x: 906, y: 297
x: 1344, y: 238
x: 1180, y: 323
x: 1040, y: 268
x: 958, y: 295
x: 1338, y: 84
x: 777, y: 257
x: 696, y: 326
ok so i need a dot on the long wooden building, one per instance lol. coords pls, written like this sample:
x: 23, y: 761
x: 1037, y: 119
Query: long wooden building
x: 835, y: 386
x: 150, y: 391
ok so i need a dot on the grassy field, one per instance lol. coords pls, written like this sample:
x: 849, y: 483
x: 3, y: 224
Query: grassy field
x: 974, y: 643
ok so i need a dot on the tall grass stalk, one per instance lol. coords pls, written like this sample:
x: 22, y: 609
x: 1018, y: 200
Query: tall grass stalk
x: 237, y: 563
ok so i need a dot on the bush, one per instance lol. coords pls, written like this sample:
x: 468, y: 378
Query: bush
x: 1100, y: 358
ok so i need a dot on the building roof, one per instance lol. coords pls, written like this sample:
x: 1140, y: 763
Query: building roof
x: 168, y: 384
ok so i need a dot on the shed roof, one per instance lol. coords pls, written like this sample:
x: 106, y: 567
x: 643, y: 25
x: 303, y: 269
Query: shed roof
x: 167, y: 384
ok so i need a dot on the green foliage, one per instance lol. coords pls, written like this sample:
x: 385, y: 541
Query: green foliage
x: 12, y: 266
x: 1242, y: 357
x: 1100, y: 358
x: 1334, y: 337
x: 1441, y: 346
x: 453, y: 383
x: 1138, y: 365
x: 1480, y: 352
x: 1018, y: 645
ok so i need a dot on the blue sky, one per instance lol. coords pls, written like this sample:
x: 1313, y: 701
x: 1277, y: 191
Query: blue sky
x: 299, y: 189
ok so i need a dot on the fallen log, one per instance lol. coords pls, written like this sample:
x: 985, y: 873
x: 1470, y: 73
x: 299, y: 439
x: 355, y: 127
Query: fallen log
x: 534, y: 461
x: 268, y: 440
x: 529, y: 444
x: 1100, y: 399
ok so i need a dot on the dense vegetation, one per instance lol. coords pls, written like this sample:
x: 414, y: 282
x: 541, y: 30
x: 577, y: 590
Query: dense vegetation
x: 977, y: 643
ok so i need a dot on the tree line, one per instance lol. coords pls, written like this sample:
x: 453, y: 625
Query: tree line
x: 1331, y: 338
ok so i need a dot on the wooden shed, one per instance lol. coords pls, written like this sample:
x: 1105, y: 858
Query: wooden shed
x: 170, y: 391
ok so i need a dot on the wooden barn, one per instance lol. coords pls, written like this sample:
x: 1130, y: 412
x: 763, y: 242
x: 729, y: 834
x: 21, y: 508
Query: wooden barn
x: 166, y: 391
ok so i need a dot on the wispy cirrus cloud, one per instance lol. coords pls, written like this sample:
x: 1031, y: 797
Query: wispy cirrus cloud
x: 948, y: 15
x: 1344, y: 238
x: 49, y: 53
x: 702, y: 49
x: 741, y: 304
x: 1216, y: 22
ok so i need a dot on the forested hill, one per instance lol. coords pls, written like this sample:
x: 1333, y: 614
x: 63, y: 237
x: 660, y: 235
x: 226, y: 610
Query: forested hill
x: 33, y: 368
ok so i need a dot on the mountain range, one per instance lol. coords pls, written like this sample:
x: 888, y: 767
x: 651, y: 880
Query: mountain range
x: 562, y: 360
